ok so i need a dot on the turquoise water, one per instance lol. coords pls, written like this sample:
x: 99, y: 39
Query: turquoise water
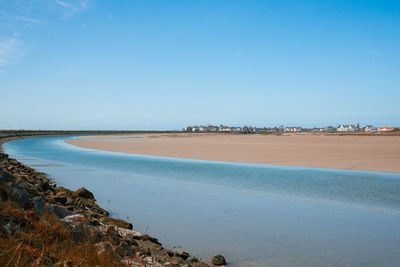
x: 255, y: 215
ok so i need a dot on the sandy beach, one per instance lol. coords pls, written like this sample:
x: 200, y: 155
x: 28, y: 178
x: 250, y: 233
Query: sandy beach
x: 371, y: 153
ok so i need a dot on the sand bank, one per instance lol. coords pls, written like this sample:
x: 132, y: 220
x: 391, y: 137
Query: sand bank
x: 372, y: 153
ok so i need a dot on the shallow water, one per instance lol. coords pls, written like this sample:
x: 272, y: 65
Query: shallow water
x: 255, y: 215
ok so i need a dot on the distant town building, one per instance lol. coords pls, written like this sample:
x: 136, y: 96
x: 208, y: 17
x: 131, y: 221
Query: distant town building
x: 347, y: 128
x: 248, y: 129
x: 370, y: 129
x: 293, y: 129
x: 386, y: 129
x: 225, y: 129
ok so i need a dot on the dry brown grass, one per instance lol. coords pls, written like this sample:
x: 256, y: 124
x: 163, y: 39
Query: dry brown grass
x: 42, y: 241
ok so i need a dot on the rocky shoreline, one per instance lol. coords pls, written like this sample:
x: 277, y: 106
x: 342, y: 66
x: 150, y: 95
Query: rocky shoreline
x: 46, y: 225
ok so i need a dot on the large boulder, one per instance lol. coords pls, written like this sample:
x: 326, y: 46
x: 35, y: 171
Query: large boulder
x: 83, y: 192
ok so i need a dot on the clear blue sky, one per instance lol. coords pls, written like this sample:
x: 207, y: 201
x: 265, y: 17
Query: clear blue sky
x: 165, y: 64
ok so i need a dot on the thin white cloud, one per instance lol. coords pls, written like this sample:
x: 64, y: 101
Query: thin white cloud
x: 19, y: 15
x: 28, y: 20
x: 73, y: 7
x: 14, y: 12
x: 62, y: 3
x: 9, y: 51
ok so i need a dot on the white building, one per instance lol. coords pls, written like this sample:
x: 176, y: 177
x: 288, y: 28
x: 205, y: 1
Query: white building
x: 386, y: 129
x: 346, y: 128
x: 225, y: 129
x: 370, y: 129
x: 293, y: 129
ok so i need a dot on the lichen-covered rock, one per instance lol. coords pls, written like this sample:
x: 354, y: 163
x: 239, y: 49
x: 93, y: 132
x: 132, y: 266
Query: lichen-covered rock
x: 131, y: 234
x: 74, y: 219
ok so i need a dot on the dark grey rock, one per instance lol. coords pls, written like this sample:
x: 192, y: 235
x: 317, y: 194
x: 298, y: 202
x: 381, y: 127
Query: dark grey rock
x: 6, y: 177
x: 218, y: 260
x: 45, y: 185
x: 124, y: 249
x: 61, y: 199
x: 11, y: 228
x: 21, y: 196
x: 182, y: 254
x: 59, y: 211
x: 38, y: 204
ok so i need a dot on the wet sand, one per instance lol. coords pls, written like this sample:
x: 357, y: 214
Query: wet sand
x: 371, y: 153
